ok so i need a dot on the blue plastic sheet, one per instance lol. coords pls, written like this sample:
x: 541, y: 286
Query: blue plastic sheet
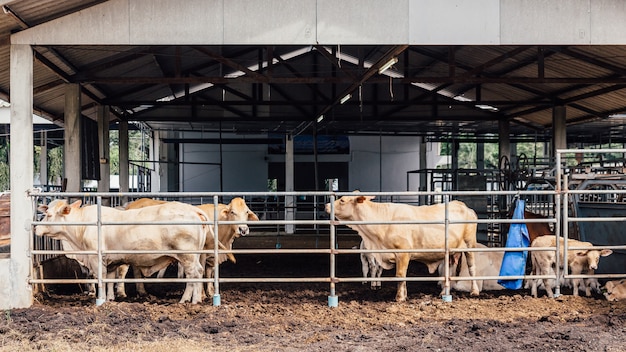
x: 514, y: 263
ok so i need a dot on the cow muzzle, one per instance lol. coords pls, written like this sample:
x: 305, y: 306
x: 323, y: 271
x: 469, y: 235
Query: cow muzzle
x: 243, y: 230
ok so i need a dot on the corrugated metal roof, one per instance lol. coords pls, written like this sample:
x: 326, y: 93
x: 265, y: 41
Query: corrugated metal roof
x: 430, y: 90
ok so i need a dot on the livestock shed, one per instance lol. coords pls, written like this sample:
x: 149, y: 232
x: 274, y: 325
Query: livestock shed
x: 311, y: 95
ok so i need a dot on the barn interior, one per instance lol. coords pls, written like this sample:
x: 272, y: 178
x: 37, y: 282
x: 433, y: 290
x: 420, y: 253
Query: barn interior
x: 449, y: 93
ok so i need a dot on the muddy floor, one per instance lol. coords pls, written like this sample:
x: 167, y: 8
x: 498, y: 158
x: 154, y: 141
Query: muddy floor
x: 296, y: 317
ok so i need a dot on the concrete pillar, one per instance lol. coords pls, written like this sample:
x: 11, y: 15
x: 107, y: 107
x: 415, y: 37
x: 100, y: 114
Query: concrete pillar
x: 15, y: 290
x: 289, y: 184
x: 559, y: 129
x: 43, y: 159
x: 155, y: 179
x: 104, y: 185
x: 72, y: 151
x: 123, y: 156
x: 504, y: 141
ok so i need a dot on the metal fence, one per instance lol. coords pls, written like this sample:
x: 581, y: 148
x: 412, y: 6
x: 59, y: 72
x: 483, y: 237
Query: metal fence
x: 325, y: 227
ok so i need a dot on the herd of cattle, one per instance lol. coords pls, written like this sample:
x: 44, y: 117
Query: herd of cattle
x: 164, y: 230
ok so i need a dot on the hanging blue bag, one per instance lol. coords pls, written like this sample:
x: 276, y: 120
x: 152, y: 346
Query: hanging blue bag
x: 514, y: 263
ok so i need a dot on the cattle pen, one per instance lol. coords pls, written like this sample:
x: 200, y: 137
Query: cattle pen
x: 330, y: 238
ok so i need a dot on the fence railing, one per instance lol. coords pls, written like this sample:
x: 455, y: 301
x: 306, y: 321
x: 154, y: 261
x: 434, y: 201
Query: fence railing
x: 324, y: 227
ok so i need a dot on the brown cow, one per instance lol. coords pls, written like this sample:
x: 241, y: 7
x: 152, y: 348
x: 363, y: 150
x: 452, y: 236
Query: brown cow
x: 535, y: 229
x: 409, y: 236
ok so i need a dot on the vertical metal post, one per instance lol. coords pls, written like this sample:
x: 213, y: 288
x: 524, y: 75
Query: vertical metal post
x: 446, y: 297
x: 101, y: 295
x: 559, y: 188
x: 217, y: 300
x: 333, y: 300
x: 561, y: 199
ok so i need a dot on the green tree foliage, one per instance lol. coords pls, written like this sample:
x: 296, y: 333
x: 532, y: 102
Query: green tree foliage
x: 138, y: 149
x: 4, y: 165
x: 468, y: 151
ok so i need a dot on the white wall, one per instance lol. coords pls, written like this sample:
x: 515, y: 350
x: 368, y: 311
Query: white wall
x: 244, y: 165
x: 399, y: 155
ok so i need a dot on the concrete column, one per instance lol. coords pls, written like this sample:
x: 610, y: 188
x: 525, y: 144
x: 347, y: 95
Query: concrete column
x: 43, y: 158
x: 289, y: 184
x: 559, y: 129
x: 156, y: 167
x: 71, y: 153
x: 504, y: 142
x: 15, y: 291
x: 123, y: 156
x: 104, y: 185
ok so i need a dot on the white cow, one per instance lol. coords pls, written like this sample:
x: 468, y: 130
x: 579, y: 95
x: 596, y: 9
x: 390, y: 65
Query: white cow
x: 487, y: 264
x: 236, y: 210
x: 133, y: 237
x: 615, y: 290
x: 409, y: 236
x: 579, y: 261
x: 91, y: 290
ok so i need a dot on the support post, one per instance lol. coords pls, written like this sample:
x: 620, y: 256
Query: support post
x: 504, y: 141
x: 43, y: 159
x: 15, y: 290
x: 559, y: 129
x: 72, y: 152
x: 289, y: 184
x: 104, y: 184
x: 124, y: 167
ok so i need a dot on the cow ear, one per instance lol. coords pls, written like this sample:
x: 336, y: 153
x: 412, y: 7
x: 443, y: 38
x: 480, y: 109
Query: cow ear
x: 581, y: 253
x: 606, y: 252
x: 252, y: 216
x: 42, y: 208
x: 76, y: 204
x: 65, y: 210
x: 361, y: 199
x: 223, y: 213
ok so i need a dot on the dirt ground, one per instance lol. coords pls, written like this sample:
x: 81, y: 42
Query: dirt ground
x: 296, y: 317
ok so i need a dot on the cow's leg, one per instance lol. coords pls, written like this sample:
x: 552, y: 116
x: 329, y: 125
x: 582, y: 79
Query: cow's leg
x: 109, y: 285
x: 365, y: 268
x: 120, y: 273
x: 378, y: 272
x: 209, y: 273
x: 576, y: 282
x: 470, y: 242
x: 535, y: 271
x: 471, y: 267
x: 193, y: 270
x: 402, y: 265
x: 546, y: 269
x: 139, y: 286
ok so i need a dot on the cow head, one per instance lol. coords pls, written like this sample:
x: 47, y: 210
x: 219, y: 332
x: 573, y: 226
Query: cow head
x: 615, y: 290
x: 56, y: 211
x: 593, y: 256
x: 345, y: 207
x: 237, y: 210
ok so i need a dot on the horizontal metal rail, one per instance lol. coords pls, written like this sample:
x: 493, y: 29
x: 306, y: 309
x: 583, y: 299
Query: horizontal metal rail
x: 332, y: 224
